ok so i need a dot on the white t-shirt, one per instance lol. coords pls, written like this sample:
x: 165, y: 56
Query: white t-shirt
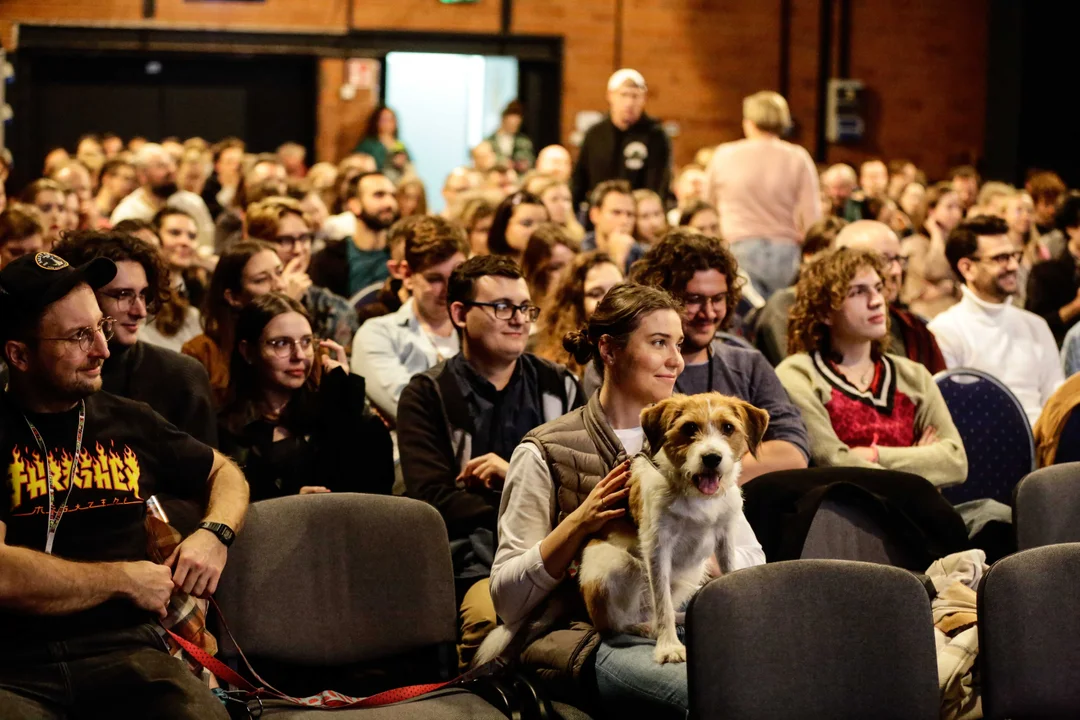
x: 631, y: 439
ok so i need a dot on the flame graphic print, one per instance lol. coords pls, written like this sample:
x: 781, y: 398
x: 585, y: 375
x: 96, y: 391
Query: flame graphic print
x: 112, y: 476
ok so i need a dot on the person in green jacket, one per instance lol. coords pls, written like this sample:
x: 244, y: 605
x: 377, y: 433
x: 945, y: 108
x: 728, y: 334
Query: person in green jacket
x: 381, y: 142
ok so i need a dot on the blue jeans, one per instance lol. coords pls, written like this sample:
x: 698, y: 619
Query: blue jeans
x: 632, y: 684
x: 771, y: 264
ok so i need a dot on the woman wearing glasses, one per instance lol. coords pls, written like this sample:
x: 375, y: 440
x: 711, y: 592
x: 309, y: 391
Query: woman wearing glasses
x: 862, y: 406
x: 295, y: 418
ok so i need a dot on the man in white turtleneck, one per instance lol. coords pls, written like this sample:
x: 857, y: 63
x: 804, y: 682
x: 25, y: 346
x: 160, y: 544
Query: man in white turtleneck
x: 985, y: 331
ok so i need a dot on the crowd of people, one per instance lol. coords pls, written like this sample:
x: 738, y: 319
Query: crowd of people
x: 318, y: 330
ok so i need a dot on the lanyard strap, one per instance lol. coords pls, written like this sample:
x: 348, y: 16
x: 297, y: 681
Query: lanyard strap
x: 56, y: 513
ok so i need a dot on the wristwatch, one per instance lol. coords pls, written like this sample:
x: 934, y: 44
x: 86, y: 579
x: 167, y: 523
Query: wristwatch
x: 223, y: 532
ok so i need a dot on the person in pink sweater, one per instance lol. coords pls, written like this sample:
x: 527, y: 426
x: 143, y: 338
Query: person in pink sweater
x: 766, y: 191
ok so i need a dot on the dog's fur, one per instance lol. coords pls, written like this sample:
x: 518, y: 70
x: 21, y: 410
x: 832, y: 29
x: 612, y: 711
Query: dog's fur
x: 683, y: 502
x: 638, y: 569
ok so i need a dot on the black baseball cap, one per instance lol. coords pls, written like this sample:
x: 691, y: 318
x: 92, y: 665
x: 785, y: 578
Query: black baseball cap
x: 31, y: 283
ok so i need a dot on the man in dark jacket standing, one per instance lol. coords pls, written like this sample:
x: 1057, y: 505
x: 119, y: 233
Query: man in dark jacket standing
x: 625, y: 145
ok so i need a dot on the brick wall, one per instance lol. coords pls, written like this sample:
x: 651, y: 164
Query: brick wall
x: 924, y: 62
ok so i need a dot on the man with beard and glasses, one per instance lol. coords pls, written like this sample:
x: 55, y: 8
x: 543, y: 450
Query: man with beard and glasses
x: 157, y: 189
x: 984, y: 330
x: 703, y: 274
x: 350, y: 265
x: 80, y: 599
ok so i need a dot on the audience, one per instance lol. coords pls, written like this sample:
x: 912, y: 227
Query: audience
x: 175, y: 386
x: 244, y: 272
x: 929, y: 285
x: 411, y: 197
x: 626, y: 145
x: 863, y: 407
x: 572, y: 302
x: 1053, y: 286
x: 1046, y: 189
x: 987, y: 332
x: 766, y: 191
x: 117, y: 182
x: 81, y: 602
x: 515, y: 220
x: 549, y: 252
x: 650, y: 224
x: 554, y: 161
x: 389, y: 350
x: 613, y: 213
x: 295, y: 419
x: 477, y: 216
x: 1019, y: 213
x: 22, y: 232
x: 689, y: 188
x: 280, y: 223
x: 512, y: 146
x: 381, y: 142
x: 965, y: 182
x: 462, y: 420
x: 567, y: 479
x: 837, y: 186
x: 347, y: 266
x: 75, y: 178
x: 48, y: 197
x: 703, y: 218
x: 703, y: 275
x: 555, y: 195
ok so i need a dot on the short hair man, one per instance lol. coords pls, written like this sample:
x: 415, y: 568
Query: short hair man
x: 389, y: 350
x: 48, y: 196
x: 79, y: 598
x: 459, y: 422
x: 838, y: 183
x: 704, y: 275
x: 984, y: 330
x: 626, y: 145
x: 292, y: 156
x: 393, y: 294
x: 134, y: 368
x: 908, y: 334
x: 21, y: 232
x: 1046, y: 189
x: 965, y: 181
x: 118, y: 180
x: 348, y: 266
x: 554, y: 161
x: 458, y: 182
x: 280, y: 222
x: 512, y: 146
x: 613, y: 212
x: 1053, y: 287
x: 689, y: 188
x: 874, y: 178
x: 156, y: 171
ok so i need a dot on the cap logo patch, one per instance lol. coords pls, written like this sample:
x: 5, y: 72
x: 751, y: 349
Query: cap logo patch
x: 48, y: 261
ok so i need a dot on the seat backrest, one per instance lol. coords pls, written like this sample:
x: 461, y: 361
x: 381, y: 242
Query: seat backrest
x: 338, y: 578
x: 995, y: 431
x: 842, y: 531
x: 1029, y: 634
x: 366, y: 295
x: 812, y: 639
x: 1068, y: 449
x: 1047, y: 507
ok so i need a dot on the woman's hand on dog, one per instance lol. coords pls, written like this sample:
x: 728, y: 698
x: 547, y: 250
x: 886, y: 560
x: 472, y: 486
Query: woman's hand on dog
x: 602, y: 503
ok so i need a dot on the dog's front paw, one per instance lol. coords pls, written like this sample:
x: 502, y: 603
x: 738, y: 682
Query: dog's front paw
x: 669, y: 652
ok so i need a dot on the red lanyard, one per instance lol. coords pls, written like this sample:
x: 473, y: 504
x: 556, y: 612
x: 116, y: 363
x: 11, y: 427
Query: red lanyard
x: 55, y: 514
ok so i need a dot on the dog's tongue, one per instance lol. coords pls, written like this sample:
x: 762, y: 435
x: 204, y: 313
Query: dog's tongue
x: 708, y: 483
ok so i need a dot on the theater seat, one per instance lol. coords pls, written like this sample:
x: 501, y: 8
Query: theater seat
x: 1047, y: 507
x: 1029, y: 634
x: 316, y: 583
x: 812, y: 640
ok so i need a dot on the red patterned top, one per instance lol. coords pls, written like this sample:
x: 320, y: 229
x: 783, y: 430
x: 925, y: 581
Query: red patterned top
x: 880, y: 415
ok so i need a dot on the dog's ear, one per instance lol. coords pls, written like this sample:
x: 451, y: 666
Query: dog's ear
x: 654, y: 421
x: 757, y: 420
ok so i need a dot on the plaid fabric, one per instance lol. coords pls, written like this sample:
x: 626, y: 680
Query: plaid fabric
x: 187, y: 615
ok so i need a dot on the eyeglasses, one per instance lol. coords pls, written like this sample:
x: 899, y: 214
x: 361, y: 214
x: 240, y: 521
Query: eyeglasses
x: 505, y: 311
x: 695, y: 302
x: 290, y: 241
x: 1002, y: 259
x: 900, y: 259
x: 282, y: 347
x: 84, y: 337
x: 125, y: 298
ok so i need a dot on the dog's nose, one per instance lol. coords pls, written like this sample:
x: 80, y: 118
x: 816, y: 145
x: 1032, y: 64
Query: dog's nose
x: 712, y: 460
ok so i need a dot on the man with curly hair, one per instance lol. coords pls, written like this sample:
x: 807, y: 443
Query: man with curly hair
x: 863, y: 406
x: 703, y: 275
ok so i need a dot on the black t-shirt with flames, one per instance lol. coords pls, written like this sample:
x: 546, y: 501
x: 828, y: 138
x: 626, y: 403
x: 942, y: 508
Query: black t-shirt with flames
x: 129, y: 453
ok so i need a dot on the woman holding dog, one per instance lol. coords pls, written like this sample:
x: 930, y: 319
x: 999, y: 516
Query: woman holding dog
x: 565, y: 481
x: 862, y: 406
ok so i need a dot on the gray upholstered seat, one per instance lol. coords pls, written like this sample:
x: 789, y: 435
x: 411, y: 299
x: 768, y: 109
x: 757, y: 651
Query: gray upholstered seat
x: 812, y: 639
x: 841, y: 531
x: 342, y: 578
x: 1047, y: 507
x: 1029, y: 634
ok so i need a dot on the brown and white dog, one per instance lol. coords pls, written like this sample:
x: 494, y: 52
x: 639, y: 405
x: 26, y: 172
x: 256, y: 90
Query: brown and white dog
x: 683, y: 503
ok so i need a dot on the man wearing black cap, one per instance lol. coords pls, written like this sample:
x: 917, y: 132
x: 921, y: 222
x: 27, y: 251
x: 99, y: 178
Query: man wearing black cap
x: 78, y: 598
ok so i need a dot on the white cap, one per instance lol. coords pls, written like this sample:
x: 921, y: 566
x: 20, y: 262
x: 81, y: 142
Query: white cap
x: 626, y: 75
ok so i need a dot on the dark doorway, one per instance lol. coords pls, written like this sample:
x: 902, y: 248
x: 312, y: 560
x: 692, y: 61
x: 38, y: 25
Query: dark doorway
x: 61, y: 95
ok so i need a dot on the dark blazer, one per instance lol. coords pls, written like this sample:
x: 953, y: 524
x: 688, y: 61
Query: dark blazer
x: 329, y: 268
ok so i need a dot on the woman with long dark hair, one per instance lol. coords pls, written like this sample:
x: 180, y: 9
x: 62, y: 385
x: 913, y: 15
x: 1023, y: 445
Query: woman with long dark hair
x: 295, y: 419
x: 515, y: 220
x: 381, y: 142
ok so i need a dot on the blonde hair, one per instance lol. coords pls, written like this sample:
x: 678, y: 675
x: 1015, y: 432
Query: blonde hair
x: 768, y: 111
